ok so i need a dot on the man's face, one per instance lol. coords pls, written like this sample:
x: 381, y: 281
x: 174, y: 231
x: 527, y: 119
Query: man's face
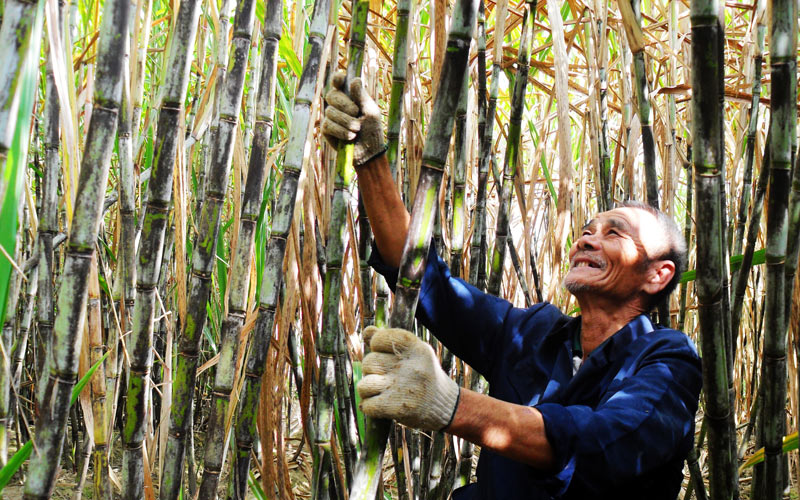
x: 613, y: 253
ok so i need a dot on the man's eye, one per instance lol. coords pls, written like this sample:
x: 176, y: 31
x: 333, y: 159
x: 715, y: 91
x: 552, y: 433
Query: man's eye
x: 613, y: 231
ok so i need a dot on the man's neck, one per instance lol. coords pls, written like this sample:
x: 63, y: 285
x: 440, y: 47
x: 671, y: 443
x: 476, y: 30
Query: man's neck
x: 602, y: 319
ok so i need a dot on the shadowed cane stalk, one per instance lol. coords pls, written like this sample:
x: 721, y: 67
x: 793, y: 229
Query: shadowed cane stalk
x: 328, y: 338
x: 240, y: 273
x: 229, y: 106
x: 783, y: 67
x: 423, y: 214
x: 151, y: 246
x: 272, y: 274
x: 707, y: 159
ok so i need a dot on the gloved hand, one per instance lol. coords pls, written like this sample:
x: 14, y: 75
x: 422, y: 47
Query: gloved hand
x: 404, y: 381
x: 356, y: 119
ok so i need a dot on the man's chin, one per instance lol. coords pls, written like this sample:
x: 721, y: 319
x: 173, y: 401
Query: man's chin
x: 576, y: 287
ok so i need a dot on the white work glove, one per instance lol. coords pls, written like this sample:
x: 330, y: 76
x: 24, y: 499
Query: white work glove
x: 355, y: 119
x: 403, y: 381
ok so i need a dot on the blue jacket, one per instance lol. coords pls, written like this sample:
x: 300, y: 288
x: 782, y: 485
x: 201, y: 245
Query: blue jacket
x: 620, y: 427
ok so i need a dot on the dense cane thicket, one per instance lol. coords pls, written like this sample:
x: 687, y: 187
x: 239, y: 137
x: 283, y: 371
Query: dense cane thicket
x: 184, y: 278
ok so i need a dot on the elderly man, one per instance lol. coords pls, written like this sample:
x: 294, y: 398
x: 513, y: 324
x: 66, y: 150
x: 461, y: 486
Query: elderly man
x: 598, y: 406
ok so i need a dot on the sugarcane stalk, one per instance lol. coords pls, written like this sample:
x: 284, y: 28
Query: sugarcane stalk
x: 707, y: 159
x: 328, y: 338
x: 203, y: 261
x: 15, y: 38
x: 687, y: 235
x: 159, y: 196
x: 48, y: 224
x: 399, y: 57
x: 783, y: 119
x: 512, y: 151
x: 9, y: 325
x: 216, y: 189
x: 485, y: 132
x: 459, y: 181
x: 101, y: 486
x: 753, y: 228
x: 752, y: 125
x: 240, y: 274
x: 72, y: 297
x: 415, y: 251
x: 272, y: 275
x: 602, y: 79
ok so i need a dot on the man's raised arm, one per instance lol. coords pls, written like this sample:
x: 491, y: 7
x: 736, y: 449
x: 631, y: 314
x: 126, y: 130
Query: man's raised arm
x: 356, y: 118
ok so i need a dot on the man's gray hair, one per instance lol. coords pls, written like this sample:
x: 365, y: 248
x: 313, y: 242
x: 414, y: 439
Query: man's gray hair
x: 676, y: 247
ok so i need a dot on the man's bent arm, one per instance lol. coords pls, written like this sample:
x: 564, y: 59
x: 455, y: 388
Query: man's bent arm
x: 387, y: 214
x: 514, y: 431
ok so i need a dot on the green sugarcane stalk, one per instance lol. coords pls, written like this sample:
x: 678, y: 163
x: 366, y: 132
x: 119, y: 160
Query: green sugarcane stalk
x: 750, y: 141
x: 783, y: 66
x: 272, y: 275
x: 707, y: 159
x: 159, y: 196
x: 512, y: 151
x: 240, y: 274
x: 231, y: 101
x: 643, y: 110
x: 458, y: 225
x: 328, y: 338
x: 399, y: 58
x: 412, y: 263
x: 203, y: 261
x: 72, y: 297
x: 15, y: 39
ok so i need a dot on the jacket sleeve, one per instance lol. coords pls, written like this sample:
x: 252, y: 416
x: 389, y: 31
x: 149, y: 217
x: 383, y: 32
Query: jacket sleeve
x: 645, y: 420
x: 466, y: 320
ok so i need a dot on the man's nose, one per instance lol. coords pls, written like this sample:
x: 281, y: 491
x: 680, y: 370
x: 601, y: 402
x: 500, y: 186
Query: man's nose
x: 587, y: 242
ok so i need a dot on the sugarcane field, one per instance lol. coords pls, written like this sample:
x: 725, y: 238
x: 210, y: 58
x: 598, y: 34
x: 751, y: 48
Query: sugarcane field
x: 387, y: 249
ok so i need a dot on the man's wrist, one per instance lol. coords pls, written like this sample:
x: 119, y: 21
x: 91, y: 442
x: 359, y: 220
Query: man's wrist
x: 372, y: 156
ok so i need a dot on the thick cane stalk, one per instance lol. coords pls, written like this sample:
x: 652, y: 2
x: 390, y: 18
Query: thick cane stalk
x: 783, y: 66
x: 72, y: 295
x: 415, y: 251
x: 328, y: 338
x: 203, y: 260
x: 707, y: 159
x: 216, y: 438
x: 159, y: 195
x: 512, y: 151
x: 272, y: 275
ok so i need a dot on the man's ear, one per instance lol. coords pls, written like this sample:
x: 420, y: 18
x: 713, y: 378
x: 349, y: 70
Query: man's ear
x: 659, y: 274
